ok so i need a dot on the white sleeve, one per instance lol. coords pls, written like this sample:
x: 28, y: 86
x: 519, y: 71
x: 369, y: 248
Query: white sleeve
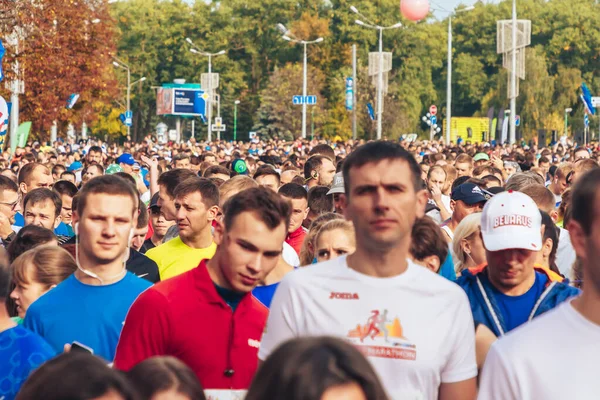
x: 282, y: 323
x: 497, y: 382
x: 461, y: 364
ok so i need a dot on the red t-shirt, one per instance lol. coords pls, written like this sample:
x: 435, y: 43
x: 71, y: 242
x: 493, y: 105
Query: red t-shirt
x: 296, y: 238
x: 186, y: 318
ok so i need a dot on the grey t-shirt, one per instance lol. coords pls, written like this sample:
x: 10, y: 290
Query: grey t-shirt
x: 172, y: 233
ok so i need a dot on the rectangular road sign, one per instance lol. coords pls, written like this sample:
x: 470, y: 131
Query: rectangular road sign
x: 218, y: 128
x: 311, y: 100
x: 596, y: 101
x: 297, y: 100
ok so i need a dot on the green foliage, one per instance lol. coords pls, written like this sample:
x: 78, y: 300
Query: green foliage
x: 264, y: 71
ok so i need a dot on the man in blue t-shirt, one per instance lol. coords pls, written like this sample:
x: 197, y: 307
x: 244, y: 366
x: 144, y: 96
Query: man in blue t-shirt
x: 511, y: 290
x: 21, y: 351
x: 90, y: 306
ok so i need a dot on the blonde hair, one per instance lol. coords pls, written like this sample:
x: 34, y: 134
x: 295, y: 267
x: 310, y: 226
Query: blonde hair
x: 235, y: 185
x: 49, y: 265
x: 337, y: 224
x: 469, y: 226
x: 307, y: 252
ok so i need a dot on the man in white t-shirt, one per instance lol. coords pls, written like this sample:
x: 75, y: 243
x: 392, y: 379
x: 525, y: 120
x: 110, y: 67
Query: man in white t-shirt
x: 413, y: 325
x: 556, y: 356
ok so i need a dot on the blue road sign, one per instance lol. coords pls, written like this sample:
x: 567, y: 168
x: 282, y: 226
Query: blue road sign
x: 370, y: 111
x: 517, y: 120
x: 433, y: 120
x: 128, y: 118
x: 297, y: 100
x: 349, y: 93
x: 311, y: 100
x: 586, y: 120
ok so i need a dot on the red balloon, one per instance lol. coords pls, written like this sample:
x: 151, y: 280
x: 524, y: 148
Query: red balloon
x: 414, y: 10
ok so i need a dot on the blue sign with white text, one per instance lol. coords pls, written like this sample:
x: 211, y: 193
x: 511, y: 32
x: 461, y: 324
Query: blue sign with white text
x: 189, y: 102
x: 349, y: 94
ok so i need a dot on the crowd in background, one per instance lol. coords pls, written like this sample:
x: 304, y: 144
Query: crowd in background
x: 151, y: 271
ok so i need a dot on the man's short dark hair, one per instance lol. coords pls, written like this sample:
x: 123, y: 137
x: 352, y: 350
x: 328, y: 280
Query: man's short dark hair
x: 7, y: 184
x: 378, y: 151
x: 583, y: 200
x: 207, y: 154
x: 267, y: 170
x: 143, y: 216
x: 181, y: 156
x: 293, y: 191
x: 106, y: 184
x: 41, y: 195
x: 323, y: 149
x: 58, y: 169
x: 459, y: 181
x: 313, y: 163
x: 214, y: 170
x: 171, y: 179
x: 95, y: 149
x: 267, y: 205
x: 26, y: 171
x: 62, y: 175
x: 127, y: 177
x: 318, y: 201
x: 428, y: 240
x: 492, y: 179
x: 207, y: 189
x: 65, y: 188
x: 543, y: 159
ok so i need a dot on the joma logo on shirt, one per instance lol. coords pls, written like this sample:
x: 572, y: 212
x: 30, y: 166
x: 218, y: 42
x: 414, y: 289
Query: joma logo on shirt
x: 512, y: 220
x: 254, y: 343
x: 343, y: 296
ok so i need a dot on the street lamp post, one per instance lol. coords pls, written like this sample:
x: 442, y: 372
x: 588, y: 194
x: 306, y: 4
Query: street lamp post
x: 210, y: 94
x: 449, y: 77
x: 235, y: 104
x: 124, y: 66
x: 379, y: 28
x: 567, y: 111
x: 513, y: 79
x: 286, y: 36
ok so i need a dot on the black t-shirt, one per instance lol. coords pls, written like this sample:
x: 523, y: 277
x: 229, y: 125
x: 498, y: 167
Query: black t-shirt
x: 148, y: 244
x: 142, y: 266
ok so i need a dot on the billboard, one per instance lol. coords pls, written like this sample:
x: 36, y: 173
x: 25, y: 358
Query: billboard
x: 180, y: 101
x: 164, y: 101
x: 188, y: 102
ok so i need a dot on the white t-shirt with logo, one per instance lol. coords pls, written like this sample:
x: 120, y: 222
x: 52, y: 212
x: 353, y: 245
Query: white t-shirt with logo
x: 415, y: 328
x: 553, y: 357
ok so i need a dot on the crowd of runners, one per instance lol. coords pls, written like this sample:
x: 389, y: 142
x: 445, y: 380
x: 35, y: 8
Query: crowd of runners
x: 301, y: 270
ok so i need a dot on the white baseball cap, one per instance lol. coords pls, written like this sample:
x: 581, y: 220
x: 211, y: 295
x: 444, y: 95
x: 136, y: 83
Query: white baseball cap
x: 511, y: 220
x: 337, y: 185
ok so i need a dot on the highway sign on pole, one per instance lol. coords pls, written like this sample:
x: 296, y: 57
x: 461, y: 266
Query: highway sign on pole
x: 517, y: 120
x: 586, y: 120
x: 433, y: 109
x: 596, y: 101
x: 128, y: 118
x: 297, y: 100
x: 218, y: 128
x: 311, y: 100
x: 433, y: 120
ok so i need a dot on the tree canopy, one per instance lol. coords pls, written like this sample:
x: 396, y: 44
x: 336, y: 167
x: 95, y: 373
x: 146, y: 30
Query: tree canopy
x: 64, y: 52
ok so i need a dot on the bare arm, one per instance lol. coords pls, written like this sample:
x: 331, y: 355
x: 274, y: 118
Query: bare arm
x: 463, y: 390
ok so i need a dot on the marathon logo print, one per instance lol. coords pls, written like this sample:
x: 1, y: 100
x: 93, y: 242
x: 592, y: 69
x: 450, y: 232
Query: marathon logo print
x: 513, y: 220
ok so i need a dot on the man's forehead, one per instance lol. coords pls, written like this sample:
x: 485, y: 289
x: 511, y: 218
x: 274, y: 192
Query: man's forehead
x: 384, y: 171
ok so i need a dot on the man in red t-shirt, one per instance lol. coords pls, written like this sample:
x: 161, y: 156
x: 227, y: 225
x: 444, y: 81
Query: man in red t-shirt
x: 298, y: 196
x: 207, y: 317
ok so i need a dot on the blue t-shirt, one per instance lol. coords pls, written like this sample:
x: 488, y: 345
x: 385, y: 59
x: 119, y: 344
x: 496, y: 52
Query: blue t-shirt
x: 515, y: 310
x: 91, y: 315
x: 265, y: 294
x: 21, y: 351
x: 61, y: 229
